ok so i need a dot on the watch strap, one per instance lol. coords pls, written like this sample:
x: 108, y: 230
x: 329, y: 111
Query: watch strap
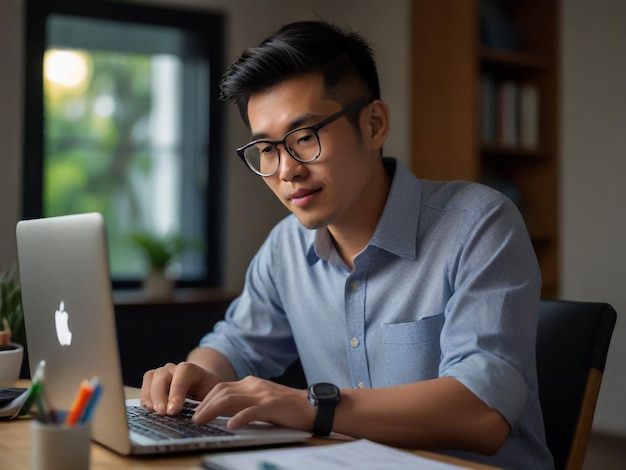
x: 324, y: 417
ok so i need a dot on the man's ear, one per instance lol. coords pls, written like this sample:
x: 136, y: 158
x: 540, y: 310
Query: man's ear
x: 378, y: 123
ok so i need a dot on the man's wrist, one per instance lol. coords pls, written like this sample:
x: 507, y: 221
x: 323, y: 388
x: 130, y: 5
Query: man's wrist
x: 324, y: 397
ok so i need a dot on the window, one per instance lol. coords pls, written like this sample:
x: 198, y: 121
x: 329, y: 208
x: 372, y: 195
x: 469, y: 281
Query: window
x: 122, y: 118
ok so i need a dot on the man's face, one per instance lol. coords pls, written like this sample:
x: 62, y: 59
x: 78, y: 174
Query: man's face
x: 333, y: 189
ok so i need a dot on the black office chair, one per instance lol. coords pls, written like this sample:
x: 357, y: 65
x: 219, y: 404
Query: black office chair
x: 572, y: 344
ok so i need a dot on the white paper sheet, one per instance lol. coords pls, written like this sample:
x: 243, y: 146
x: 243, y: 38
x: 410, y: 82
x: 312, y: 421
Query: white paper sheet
x: 361, y: 454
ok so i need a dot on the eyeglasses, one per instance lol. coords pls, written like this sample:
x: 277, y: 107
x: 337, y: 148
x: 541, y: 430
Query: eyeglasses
x: 263, y: 156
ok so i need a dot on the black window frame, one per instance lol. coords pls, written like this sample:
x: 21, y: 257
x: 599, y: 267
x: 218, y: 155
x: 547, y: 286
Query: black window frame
x: 209, y: 24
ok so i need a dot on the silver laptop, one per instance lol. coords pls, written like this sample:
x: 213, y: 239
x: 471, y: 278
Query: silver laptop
x: 70, y: 322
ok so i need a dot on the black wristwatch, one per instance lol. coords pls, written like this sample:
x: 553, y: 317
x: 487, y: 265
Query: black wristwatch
x: 324, y: 397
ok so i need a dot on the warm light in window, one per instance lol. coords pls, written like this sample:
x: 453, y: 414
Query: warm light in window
x: 66, y: 68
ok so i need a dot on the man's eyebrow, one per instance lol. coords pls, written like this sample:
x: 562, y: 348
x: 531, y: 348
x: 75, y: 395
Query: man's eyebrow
x: 295, y: 124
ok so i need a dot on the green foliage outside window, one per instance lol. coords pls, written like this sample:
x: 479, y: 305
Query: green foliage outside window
x: 97, y: 148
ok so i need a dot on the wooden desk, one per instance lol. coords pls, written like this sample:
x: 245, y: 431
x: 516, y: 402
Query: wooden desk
x: 15, y: 451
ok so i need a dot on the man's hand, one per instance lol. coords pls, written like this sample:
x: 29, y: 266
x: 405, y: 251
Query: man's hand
x: 164, y: 390
x: 254, y: 399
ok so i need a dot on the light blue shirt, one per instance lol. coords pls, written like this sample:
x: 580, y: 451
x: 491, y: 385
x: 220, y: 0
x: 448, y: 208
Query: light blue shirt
x: 447, y: 287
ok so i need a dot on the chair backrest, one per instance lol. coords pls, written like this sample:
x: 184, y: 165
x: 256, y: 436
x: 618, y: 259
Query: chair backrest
x: 572, y: 344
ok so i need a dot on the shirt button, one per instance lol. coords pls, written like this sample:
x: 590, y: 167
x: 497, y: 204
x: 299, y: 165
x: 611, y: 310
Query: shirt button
x: 356, y: 285
x: 354, y: 342
x: 361, y: 385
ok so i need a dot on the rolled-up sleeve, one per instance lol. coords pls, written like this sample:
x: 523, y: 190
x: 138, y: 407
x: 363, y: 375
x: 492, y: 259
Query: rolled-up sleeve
x: 488, y: 339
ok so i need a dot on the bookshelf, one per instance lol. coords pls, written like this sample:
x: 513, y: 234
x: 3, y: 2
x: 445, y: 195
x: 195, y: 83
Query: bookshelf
x: 485, y: 106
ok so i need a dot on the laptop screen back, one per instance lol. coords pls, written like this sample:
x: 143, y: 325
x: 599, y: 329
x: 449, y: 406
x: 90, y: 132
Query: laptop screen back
x: 69, y: 316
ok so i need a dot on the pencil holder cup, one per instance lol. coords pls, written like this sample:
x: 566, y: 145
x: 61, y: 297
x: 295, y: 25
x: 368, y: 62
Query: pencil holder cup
x: 57, y: 446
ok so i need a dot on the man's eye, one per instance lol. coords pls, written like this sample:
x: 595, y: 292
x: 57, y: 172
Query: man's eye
x: 266, y: 149
x: 304, y: 139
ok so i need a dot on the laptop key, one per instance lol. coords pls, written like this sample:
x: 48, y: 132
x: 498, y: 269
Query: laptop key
x: 170, y: 427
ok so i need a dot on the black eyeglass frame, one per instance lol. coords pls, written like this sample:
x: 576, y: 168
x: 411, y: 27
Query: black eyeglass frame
x: 241, y: 151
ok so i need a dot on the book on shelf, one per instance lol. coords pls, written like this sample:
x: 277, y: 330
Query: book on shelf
x: 509, y: 113
x: 529, y: 116
x: 498, y: 28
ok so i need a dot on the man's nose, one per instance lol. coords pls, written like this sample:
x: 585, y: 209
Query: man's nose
x: 288, y: 168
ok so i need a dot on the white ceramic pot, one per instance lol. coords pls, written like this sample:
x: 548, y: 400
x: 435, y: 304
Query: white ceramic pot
x: 157, y: 286
x: 10, y: 364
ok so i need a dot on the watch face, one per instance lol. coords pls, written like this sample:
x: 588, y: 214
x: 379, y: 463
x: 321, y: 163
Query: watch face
x: 324, y: 391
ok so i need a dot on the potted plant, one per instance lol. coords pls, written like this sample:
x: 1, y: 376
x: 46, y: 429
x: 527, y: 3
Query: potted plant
x: 158, y: 252
x: 12, y: 332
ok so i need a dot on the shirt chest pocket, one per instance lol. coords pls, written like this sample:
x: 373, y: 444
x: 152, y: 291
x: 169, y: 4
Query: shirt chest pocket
x: 412, y: 350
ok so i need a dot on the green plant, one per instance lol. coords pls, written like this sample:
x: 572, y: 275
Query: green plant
x: 11, y: 313
x: 159, y: 251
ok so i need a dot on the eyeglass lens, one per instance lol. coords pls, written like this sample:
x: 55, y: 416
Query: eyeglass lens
x: 303, y: 144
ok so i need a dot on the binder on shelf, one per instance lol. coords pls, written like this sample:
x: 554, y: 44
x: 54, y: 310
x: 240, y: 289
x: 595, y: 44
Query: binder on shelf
x: 508, y: 105
x: 529, y: 117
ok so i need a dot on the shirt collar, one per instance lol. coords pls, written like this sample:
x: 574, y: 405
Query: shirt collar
x: 396, y: 231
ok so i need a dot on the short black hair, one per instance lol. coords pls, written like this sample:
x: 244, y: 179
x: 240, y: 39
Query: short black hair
x: 343, y: 58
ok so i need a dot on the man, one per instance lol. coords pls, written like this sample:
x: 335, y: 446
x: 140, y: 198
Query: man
x: 411, y: 304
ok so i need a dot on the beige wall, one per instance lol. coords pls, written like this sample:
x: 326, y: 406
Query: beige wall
x: 593, y: 168
x: 593, y: 177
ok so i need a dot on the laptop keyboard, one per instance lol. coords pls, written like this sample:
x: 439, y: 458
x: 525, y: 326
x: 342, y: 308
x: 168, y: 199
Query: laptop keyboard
x: 180, y: 426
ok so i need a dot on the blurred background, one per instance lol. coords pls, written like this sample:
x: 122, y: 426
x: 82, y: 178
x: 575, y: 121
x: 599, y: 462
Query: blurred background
x: 132, y: 129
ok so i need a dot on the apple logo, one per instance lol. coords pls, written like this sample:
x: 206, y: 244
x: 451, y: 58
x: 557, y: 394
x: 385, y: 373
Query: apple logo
x: 61, y: 318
